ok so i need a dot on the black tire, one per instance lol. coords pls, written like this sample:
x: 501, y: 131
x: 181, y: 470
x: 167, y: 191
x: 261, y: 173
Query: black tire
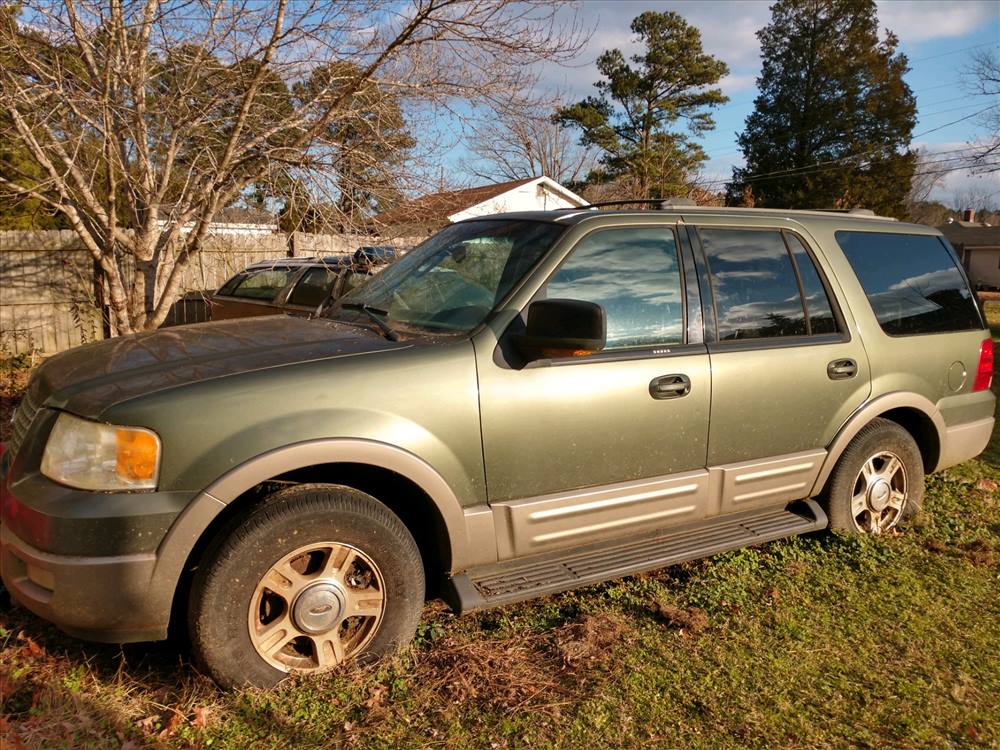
x: 226, y: 581
x: 878, y: 437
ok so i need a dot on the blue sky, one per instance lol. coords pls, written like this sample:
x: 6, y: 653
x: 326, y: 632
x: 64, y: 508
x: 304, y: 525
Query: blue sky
x: 937, y: 36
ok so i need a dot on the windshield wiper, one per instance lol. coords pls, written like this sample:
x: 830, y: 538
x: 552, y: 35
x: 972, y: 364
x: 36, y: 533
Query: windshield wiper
x: 376, y: 314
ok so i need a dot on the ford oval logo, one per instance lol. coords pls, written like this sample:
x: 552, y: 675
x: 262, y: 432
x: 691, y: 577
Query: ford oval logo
x: 321, y: 609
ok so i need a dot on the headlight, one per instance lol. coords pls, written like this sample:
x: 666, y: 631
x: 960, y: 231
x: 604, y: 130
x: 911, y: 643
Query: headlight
x: 94, y: 456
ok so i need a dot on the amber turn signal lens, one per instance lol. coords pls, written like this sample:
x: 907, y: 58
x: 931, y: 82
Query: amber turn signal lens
x: 137, y: 454
x: 550, y: 353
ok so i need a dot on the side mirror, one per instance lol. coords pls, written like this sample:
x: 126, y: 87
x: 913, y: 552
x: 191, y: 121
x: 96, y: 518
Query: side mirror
x: 563, y: 328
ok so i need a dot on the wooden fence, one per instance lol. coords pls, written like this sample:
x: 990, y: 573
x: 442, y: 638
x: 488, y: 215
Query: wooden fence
x: 49, y: 296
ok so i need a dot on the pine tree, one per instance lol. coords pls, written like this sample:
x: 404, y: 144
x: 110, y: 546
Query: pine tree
x: 832, y: 123
x: 639, y: 102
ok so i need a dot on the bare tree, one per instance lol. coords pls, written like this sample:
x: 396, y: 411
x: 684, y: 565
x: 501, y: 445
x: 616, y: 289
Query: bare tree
x: 521, y: 140
x: 984, y: 203
x: 928, y: 173
x: 144, y: 118
x: 983, y: 81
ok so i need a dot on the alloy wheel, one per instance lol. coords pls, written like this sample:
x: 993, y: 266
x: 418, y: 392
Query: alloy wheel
x: 879, y: 493
x: 316, y: 607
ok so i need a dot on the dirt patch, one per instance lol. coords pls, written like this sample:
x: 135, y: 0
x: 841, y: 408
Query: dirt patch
x: 933, y: 544
x: 513, y: 673
x: 536, y: 671
x: 981, y: 553
x: 687, y: 621
x: 51, y: 698
x: 589, y: 643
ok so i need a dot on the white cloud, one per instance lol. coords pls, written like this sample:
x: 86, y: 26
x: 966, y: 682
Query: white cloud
x: 734, y: 83
x: 957, y: 186
x: 919, y: 20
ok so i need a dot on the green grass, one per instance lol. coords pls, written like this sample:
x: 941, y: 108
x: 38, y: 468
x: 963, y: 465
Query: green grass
x: 820, y: 641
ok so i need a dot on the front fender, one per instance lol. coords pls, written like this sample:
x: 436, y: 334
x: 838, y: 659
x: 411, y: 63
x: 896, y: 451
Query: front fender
x: 471, y: 538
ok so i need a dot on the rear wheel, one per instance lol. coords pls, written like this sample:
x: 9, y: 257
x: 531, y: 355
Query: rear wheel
x: 317, y: 576
x: 878, y: 481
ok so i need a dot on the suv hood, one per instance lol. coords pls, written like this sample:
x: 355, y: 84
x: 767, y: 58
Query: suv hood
x: 89, y: 379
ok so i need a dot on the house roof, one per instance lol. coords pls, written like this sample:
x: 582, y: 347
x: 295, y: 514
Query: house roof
x: 237, y: 215
x: 971, y: 234
x: 437, y: 207
x: 230, y: 215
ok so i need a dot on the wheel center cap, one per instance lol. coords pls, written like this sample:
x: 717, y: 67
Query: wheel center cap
x: 878, y: 495
x: 318, y: 607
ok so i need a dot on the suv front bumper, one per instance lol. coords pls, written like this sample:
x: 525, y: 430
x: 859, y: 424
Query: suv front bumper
x: 88, y: 562
x: 95, y: 598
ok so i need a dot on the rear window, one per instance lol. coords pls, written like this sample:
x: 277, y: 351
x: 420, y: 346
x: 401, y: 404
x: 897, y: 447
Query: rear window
x: 912, y: 281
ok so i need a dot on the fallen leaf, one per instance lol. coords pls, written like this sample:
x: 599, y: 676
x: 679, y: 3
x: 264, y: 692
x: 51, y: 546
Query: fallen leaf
x: 376, y: 697
x: 170, y: 729
x: 200, y: 717
x: 147, y: 725
x: 33, y: 648
x: 986, y: 484
x: 8, y: 687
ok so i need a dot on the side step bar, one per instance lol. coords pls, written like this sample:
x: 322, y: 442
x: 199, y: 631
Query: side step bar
x: 539, y: 575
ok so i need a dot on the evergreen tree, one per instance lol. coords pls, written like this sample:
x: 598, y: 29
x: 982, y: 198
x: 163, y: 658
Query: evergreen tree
x: 832, y: 123
x: 630, y: 120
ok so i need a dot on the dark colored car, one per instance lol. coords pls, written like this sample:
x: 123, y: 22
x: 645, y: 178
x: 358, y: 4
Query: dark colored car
x: 296, y: 286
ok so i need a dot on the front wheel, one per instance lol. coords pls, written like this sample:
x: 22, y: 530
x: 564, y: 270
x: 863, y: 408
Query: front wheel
x: 878, y: 481
x: 316, y: 576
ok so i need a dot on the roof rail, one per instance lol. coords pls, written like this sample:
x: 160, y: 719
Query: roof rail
x: 852, y: 211
x: 652, y: 202
x: 687, y: 203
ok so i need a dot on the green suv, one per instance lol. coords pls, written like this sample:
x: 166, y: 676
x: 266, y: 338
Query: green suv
x: 523, y: 404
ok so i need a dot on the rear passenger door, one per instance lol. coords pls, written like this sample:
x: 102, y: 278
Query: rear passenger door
x: 786, y: 370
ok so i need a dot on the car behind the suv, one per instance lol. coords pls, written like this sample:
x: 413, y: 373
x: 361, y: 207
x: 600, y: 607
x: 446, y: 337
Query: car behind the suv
x: 295, y: 286
x: 523, y: 404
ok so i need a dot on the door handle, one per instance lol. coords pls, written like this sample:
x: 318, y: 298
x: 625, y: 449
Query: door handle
x: 842, y: 369
x: 670, y: 386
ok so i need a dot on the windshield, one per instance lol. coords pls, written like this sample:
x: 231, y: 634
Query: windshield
x: 454, y: 280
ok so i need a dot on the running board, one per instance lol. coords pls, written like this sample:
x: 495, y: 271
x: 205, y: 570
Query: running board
x: 539, y: 575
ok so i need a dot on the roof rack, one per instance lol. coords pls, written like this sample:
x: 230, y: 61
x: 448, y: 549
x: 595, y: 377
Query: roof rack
x: 854, y: 211
x: 654, y: 202
x: 687, y: 203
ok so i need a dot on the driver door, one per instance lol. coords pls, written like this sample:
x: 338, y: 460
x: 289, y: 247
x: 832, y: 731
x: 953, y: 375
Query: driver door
x: 583, y: 448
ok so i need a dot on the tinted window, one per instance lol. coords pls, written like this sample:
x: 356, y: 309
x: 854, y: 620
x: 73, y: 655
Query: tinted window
x: 756, y: 292
x: 633, y: 274
x: 821, y: 318
x: 912, y: 282
x: 264, y: 283
x: 313, y: 287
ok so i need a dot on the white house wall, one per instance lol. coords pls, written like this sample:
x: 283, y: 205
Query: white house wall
x: 984, y: 266
x: 540, y: 195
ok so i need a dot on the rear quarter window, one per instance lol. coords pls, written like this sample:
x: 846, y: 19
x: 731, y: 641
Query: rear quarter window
x: 912, y: 281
